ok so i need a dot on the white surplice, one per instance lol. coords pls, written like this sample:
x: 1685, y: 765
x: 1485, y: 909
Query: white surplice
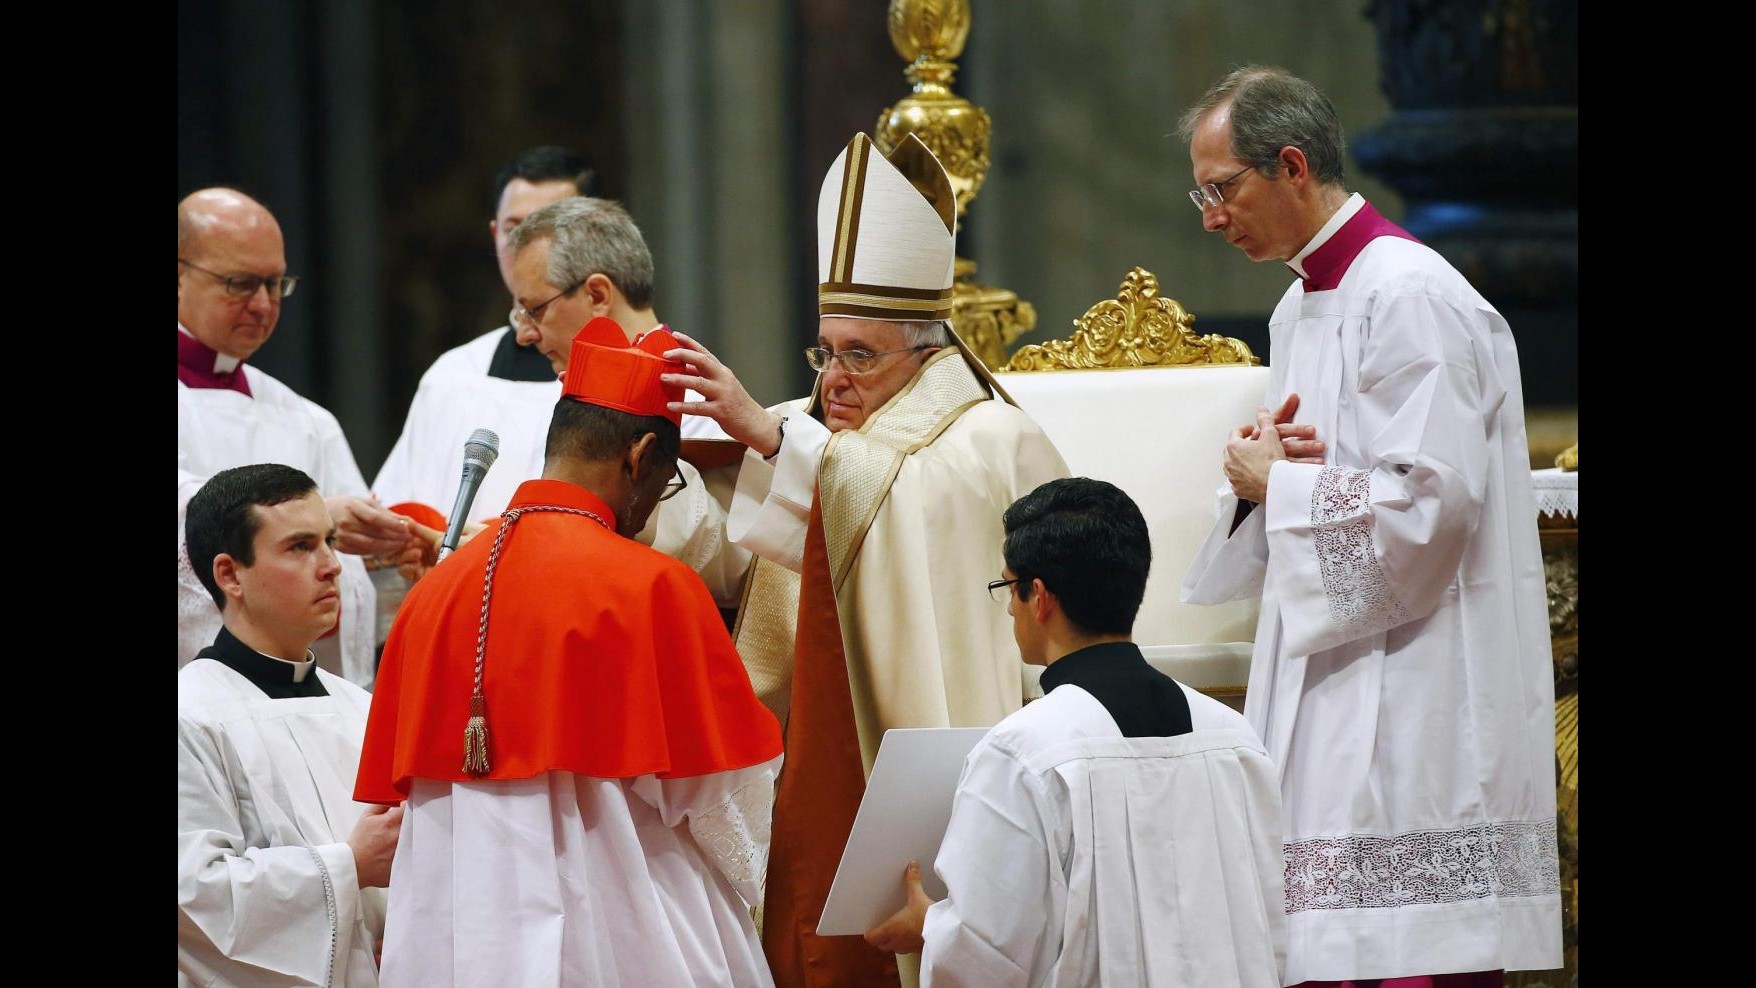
x: 218, y: 429
x: 771, y: 506
x: 266, y: 888
x: 1077, y: 856
x: 1402, y: 679
x: 457, y: 396
x: 565, y: 880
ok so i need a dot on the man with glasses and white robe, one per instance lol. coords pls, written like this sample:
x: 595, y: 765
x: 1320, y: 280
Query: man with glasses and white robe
x: 571, y: 261
x: 1402, y: 678
x: 231, y: 280
x: 499, y: 380
x: 875, y: 505
x: 1122, y: 830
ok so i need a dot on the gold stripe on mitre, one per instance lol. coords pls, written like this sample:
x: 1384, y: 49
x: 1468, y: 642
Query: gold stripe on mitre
x: 883, y: 302
x: 886, y: 229
x: 847, y: 221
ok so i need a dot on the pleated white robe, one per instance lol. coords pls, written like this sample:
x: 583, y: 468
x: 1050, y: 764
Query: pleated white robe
x: 564, y: 880
x: 1077, y: 856
x: 266, y: 888
x: 1401, y: 679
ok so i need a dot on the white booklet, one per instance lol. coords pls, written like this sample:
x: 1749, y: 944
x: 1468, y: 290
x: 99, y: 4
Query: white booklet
x: 902, y: 818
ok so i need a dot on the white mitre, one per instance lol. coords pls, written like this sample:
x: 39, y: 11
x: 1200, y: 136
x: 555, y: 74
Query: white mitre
x: 885, y: 234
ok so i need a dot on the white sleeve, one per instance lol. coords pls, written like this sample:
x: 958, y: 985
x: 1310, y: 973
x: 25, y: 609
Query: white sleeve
x: 772, y: 506
x: 190, y: 473
x: 355, y: 645
x: 340, y: 474
x: 286, y: 912
x: 691, y: 528
x: 729, y: 816
x: 406, y: 470
x: 188, y: 483
x: 999, y: 876
x: 1359, y: 551
x: 1234, y: 559
x: 393, y: 483
x: 699, y: 426
x: 198, y: 620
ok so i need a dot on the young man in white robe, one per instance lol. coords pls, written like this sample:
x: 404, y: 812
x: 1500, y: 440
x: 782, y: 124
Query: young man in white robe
x: 279, y: 871
x: 1402, y: 677
x: 1122, y: 830
x: 231, y: 280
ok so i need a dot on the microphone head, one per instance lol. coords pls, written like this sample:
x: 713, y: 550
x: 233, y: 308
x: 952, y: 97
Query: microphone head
x: 482, y: 449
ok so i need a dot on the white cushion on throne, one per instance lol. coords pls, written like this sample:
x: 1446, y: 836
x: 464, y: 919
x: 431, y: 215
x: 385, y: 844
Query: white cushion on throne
x: 1158, y: 433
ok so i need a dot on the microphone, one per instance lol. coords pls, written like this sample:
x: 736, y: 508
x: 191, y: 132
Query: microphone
x: 479, y: 453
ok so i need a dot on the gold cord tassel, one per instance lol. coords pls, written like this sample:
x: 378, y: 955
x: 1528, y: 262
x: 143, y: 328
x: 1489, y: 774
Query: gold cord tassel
x: 475, y: 737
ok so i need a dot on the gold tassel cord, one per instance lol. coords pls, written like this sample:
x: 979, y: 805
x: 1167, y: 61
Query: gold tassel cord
x: 475, y: 732
x: 475, y: 737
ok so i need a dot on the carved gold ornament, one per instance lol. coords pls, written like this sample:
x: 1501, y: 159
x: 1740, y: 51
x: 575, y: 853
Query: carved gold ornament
x: 988, y: 319
x: 1138, y: 328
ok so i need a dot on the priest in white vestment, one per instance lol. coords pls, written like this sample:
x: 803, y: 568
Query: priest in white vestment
x: 231, y: 279
x: 279, y: 872
x: 1122, y: 830
x: 875, y: 507
x: 570, y: 261
x: 1402, y: 678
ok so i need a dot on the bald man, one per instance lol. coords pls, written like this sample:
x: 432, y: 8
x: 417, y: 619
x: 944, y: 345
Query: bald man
x: 231, y: 280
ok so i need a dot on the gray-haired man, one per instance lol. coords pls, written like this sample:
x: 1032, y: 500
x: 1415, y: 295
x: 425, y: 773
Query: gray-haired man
x: 1401, y: 677
x: 573, y: 261
x: 495, y: 381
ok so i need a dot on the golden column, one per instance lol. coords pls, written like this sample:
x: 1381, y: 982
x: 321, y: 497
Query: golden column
x: 928, y: 34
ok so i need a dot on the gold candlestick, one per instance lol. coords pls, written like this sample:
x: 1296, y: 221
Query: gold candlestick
x: 928, y: 34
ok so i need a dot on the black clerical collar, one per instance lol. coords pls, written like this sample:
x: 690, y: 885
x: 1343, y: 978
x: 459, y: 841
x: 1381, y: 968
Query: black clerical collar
x: 1144, y: 702
x: 272, y: 676
x: 512, y: 362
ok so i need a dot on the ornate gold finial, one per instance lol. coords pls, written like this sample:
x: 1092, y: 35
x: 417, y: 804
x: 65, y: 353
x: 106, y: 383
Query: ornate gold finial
x: 1569, y: 458
x: 928, y: 34
x: 934, y: 28
x: 1137, y: 328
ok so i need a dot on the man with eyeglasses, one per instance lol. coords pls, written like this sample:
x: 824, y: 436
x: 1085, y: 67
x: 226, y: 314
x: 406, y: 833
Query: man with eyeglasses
x: 573, y: 261
x: 1122, y: 830
x: 874, y: 507
x: 231, y: 281
x: 566, y: 262
x: 585, y: 771
x: 1402, y: 675
x: 498, y: 380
